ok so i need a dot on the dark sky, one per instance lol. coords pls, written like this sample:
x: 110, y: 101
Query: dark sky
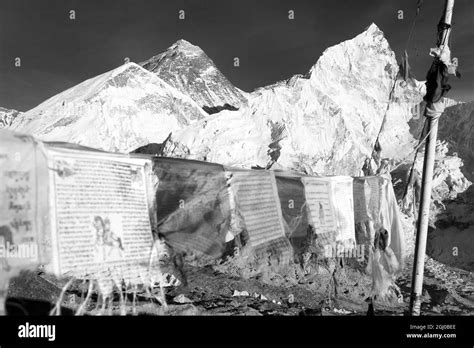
x: 57, y: 53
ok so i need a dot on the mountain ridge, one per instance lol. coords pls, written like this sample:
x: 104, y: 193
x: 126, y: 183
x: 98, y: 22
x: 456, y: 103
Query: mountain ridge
x: 120, y: 110
x: 187, y: 68
x: 332, y: 114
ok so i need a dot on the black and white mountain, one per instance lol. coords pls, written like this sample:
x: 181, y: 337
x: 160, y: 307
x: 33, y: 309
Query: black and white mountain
x: 325, y: 121
x: 120, y: 110
x: 187, y: 68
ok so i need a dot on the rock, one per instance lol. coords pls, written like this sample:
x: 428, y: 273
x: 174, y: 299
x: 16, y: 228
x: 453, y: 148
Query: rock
x: 448, y: 178
x: 426, y: 296
x: 249, y: 311
x: 182, y: 310
x: 452, y: 308
x: 310, y: 312
x: 266, y: 307
x: 341, y: 311
x: 30, y: 285
x: 151, y: 149
x: 181, y: 299
x: 7, y: 116
x: 263, y: 298
x: 169, y: 280
x: 240, y: 293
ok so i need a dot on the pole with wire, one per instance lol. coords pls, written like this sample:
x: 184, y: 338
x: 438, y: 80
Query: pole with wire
x: 434, y: 109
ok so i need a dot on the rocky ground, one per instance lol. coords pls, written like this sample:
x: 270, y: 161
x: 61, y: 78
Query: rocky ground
x: 214, y: 290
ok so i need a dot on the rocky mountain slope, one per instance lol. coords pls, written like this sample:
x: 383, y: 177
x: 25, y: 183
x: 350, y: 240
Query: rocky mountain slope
x: 120, y: 110
x: 456, y: 127
x: 7, y: 116
x: 451, y: 240
x: 187, y: 68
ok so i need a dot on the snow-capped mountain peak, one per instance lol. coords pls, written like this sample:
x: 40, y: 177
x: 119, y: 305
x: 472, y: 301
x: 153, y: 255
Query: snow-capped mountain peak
x: 119, y: 110
x: 331, y: 116
x: 187, y: 68
x: 187, y: 48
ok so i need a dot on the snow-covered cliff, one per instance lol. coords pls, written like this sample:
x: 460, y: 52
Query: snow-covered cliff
x: 456, y: 127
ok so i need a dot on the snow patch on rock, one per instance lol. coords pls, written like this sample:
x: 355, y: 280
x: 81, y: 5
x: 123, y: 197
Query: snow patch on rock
x: 7, y: 116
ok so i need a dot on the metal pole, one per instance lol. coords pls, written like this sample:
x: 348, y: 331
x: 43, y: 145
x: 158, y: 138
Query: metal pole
x: 3, y: 290
x: 424, y: 211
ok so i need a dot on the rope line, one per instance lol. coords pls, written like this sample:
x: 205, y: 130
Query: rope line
x: 412, y: 29
x: 390, y: 98
x: 415, y: 149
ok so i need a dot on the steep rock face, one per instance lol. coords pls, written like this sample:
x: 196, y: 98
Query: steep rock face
x: 451, y: 241
x: 331, y: 116
x: 451, y: 168
x: 7, y: 116
x: 187, y: 68
x: 456, y: 126
x: 448, y: 180
x: 120, y: 110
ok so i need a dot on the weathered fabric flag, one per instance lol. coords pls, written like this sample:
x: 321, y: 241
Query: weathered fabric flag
x: 256, y: 200
x: 86, y: 213
x: 294, y: 211
x: 192, y: 205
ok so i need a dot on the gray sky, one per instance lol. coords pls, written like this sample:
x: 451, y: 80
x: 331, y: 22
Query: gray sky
x: 57, y: 53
